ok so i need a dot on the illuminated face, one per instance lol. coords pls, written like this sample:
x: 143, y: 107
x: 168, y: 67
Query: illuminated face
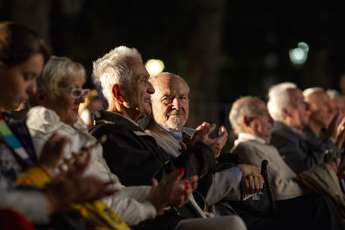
x: 18, y: 82
x: 170, y: 102
x: 66, y: 102
x: 137, y: 95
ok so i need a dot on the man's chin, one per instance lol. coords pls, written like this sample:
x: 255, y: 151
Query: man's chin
x: 147, y: 112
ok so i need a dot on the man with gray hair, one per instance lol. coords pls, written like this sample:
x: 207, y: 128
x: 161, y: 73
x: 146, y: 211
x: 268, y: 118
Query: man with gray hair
x: 291, y: 115
x: 134, y: 155
x: 252, y: 123
x: 321, y: 112
x: 287, y: 107
x: 323, y: 121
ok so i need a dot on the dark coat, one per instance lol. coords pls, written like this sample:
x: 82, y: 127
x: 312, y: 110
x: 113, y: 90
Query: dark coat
x: 294, y: 148
x: 136, y: 158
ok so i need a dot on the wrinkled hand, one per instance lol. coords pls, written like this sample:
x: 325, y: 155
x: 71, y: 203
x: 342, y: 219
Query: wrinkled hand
x: 252, y: 184
x: 248, y: 170
x: 76, y: 165
x: 52, y: 153
x: 202, y: 134
x: 172, y: 190
x: 62, y: 193
x: 252, y: 180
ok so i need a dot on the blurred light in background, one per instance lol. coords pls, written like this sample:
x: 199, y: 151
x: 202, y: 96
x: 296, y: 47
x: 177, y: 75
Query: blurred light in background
x: 304, y: 46
x: 299, y: 55
x: 154, y: 66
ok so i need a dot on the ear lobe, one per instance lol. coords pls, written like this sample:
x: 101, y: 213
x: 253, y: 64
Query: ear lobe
x: 116, y: 93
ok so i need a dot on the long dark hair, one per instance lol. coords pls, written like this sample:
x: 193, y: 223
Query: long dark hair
x: 18, y: 43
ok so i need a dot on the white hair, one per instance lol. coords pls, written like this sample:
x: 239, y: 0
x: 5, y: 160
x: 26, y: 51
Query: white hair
x: 57, y: 70
x: 115, y: 67
x: 244, y: 106
x: 279, y: 99
x: 163, y: 74
x: 310, y: 91
x: 332, y: 93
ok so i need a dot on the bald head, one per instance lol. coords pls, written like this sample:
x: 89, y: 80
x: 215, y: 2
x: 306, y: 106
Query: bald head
x: 170, y: 102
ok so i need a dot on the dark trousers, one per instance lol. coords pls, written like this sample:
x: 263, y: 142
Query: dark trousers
x: 312, y: 211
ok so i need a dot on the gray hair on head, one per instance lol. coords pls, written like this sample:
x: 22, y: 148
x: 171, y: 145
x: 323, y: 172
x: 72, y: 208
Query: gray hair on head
x: 332, y: 93
x: 57, y: 70
x: 244, y: 106
x: 309, y: 91
x: 152, y: 79
x: 279, y: 99
x: 115, y: 67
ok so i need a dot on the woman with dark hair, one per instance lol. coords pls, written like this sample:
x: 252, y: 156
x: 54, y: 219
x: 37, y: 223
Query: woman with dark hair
x: 22, y: 57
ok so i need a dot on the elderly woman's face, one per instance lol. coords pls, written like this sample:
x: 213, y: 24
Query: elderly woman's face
x: 66, y: 102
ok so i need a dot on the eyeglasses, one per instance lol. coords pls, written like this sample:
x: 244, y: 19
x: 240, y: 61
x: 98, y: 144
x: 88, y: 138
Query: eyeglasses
x: 76, y: 92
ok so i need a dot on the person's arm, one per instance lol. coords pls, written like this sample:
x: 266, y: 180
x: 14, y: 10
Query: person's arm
x: 32, y: 204
x: 224, y: 183
x: 133, y: 204
x: 198, y: 160
x: 295, y: 155
x: 281, y: 177
x: 128, y: 156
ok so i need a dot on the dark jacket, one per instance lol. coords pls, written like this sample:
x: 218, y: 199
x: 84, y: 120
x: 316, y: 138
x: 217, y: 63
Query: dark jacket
x: 135, y: 156
x: 294, y: 148
x: 321, y: 144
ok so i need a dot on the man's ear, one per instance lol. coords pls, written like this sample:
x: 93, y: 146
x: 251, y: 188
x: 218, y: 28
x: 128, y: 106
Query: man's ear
x: 117, y: 93
x: 246, y: 120
x: 286, y: 112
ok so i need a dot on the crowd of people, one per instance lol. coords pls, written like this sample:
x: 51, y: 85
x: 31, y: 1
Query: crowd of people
x: 69, y: 162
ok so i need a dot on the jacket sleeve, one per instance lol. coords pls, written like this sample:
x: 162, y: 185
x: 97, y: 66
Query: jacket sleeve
x: 295, y: 156
x: 224, y: 183
x: 132, y: 204
x: 127, y: 157
x: 197, y: 160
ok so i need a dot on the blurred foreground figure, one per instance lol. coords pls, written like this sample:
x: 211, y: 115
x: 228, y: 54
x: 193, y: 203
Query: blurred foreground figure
x: 22, y: 56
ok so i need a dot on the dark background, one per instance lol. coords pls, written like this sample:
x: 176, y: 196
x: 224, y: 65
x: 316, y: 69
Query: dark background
x: 224, y: 49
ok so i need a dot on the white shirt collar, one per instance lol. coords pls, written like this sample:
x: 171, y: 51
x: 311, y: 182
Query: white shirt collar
x: 242, y: 137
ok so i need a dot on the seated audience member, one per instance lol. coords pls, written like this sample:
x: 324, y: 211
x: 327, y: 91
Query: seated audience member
x: 252, y: 123
x: 59, y: 95
x: 90, y: 107
x: 337, y: 102
x: 134, y: 155
x: 321, y: 112
x: 23, y: 54
x: 289, y: 110
x: 170, y: 111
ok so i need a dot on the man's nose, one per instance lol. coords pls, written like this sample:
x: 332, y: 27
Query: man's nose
x: 150, y: 88
x: 176, y: 103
